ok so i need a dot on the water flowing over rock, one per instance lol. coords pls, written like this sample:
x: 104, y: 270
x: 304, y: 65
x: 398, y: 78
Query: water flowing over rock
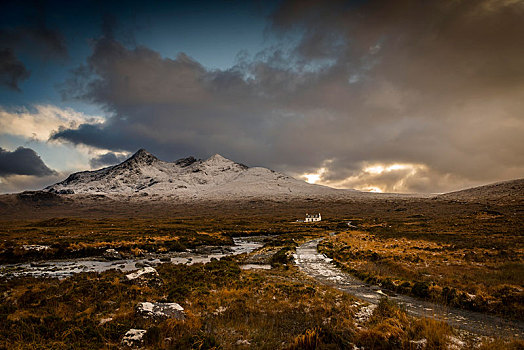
x: 316, y: 265
x: 112, y: 254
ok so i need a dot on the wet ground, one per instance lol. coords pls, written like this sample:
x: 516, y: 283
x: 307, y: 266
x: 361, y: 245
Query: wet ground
x: 66, y: 268
x: 319, y: 267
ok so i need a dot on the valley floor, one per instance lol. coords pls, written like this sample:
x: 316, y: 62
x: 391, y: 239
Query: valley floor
x: 423, y: 247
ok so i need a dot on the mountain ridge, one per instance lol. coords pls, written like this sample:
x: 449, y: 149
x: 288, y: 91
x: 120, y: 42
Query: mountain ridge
x: 143, y: 174
x: 217, y: 177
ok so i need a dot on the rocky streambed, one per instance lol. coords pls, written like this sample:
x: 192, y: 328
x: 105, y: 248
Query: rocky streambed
x: 112, y: 260
x: 321, y: 268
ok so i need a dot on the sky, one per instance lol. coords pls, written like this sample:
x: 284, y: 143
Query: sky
x: 376, y: 95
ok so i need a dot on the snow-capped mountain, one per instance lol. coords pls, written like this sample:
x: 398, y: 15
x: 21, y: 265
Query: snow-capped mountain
x: 217, y: 177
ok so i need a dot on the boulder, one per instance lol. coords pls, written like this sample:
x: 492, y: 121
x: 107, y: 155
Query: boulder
x: 145, y: 276
x: 134, y: 338
x: 160, y: 311
x: 141, y: 264
x: 112, y: 254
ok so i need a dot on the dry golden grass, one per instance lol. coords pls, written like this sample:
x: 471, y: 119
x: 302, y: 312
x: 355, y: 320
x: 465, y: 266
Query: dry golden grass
x: 228, y: 308
x: 435, y: 270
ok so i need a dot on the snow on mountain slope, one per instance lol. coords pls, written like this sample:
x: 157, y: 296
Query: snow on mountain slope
x: 509, y: 191
x: 217, y: 177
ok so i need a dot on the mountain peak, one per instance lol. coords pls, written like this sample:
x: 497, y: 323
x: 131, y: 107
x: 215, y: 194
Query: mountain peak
x: 220, y: 161
x: 142, y: 152
x: 217, y: 177
x: 218, y: 158
x: 142, y: 156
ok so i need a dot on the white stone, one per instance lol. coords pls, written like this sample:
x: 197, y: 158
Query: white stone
x: 160, y: 310
x: 364, y: 313
x: 35, y: 247
x: 134, y: 337
x: 105, y: 320
x: 419, y: 344
x: 145, y: 271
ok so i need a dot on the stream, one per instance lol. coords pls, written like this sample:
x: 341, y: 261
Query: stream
x: 319, y: 267
x: 66, y: 268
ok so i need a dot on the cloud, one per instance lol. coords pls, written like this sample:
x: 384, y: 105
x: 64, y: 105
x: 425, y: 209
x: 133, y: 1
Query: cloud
x: 22, y: 161
x: 19, y: 183
x: 436, y: 84
x: 391, y: 178
x: 12, y: 71
x: 40, y: 122
x: 34, y: 39
x: 108, y: 158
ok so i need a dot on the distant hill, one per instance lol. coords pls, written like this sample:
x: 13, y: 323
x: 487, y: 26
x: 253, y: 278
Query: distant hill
x: 144, y: 175
x: 512, y: 190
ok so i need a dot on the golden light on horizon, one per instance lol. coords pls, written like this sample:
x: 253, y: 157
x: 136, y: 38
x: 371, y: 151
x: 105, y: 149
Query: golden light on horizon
x: 380, y: 168
x: 371, y: 189
x: 372, y: 177
x: 313, y: 178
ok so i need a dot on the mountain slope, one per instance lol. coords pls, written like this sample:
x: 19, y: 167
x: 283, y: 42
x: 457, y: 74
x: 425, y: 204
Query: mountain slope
x: 217, y: 177
x: 512, y: 190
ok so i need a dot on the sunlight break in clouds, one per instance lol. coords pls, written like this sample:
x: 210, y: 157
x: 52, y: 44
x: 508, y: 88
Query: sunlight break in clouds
x: 315, y: 177
x: 43, y: 121
x: 379, y: 169
x: 395, y: 177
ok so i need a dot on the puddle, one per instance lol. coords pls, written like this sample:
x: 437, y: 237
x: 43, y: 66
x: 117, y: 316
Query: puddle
x: 316, y: 265
x: 65, y: 268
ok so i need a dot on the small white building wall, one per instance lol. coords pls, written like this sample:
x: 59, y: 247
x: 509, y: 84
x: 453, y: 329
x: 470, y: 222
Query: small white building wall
x: 313, y: 218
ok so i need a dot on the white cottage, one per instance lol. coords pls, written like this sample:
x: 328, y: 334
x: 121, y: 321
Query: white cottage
x: 313, y: 217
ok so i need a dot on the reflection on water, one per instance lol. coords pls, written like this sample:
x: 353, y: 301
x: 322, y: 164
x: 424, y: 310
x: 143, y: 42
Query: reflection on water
x: 66, y: 268
x: 318, y: 266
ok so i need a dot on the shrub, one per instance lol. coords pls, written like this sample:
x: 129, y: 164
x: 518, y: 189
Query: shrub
x: 281, y: 257
x: 420, y: 289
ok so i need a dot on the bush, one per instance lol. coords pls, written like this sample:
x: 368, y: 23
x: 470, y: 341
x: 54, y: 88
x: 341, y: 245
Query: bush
x: 281, y: 257
x: 420, y: 289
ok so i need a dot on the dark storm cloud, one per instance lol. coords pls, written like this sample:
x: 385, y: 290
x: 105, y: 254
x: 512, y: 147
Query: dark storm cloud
x: 108, y: 158
x: 12, y: 71
x: 22, y: 161
x: 436, y: 85
x: 34, y: 38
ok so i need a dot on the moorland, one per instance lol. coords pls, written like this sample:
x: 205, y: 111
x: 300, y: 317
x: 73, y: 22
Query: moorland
x: 457, y: 252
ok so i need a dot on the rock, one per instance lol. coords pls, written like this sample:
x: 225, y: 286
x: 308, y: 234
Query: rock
x: 112, y: 254
x: 140, y: 264
x: 455, y: 343
x: 105, y: 320
x: 220, y: 310
x: 364, y: 314
x: 165, y: 259
x: 134, y: 338
x: 418, y: 344
x: 36, y: 247
x: 184, y: 162
x: 160, y: 311
x: 146, y: 276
